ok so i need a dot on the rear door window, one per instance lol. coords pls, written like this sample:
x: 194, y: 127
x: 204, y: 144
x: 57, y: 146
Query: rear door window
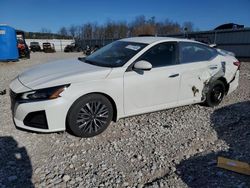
x: 194, y: 52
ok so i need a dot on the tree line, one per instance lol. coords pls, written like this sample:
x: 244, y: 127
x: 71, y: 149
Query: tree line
x: 115, y: 29
x: 121, y: 29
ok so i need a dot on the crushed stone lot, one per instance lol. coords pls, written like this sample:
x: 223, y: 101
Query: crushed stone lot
x: 171, y: 148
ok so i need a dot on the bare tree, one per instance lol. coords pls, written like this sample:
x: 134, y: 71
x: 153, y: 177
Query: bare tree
x: 109, y: 30
x: 95, y: 31
x: 139, y: 21
x: 167, y: 27
x: 45, y: 30
x: 78, y: 32
x: 87, y: 31
x: 63, y: 31
x: 188, y: 26
x: 122, y: 29
x: 72, y: 30
x: 142, y: 26
x: 100, y: 32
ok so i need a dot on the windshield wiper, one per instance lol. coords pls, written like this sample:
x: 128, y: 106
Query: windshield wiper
x: 83, y: 59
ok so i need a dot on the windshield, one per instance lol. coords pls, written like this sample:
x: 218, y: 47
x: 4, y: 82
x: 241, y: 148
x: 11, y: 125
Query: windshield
x: 115, y: 54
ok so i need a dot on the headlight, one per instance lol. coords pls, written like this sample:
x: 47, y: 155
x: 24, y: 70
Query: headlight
x: 47, y: 93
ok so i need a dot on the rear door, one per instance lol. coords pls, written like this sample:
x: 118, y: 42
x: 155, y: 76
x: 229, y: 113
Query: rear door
x: 198, y: 63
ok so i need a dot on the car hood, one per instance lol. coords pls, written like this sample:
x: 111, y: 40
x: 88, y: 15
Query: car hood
x: 61, y: 72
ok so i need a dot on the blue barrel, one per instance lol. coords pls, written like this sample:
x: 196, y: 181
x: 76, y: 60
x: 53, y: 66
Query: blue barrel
x: 8, y: 44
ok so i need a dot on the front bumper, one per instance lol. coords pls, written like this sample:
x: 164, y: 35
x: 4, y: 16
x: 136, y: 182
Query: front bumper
x: 40, y: 116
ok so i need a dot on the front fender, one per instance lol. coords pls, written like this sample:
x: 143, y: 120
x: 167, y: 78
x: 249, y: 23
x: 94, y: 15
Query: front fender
x: 111, y: 87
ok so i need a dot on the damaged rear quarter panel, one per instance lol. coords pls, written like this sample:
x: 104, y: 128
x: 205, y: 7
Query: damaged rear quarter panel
x: 225, y: 69
x: 196, y: 77
x: 215, y: 71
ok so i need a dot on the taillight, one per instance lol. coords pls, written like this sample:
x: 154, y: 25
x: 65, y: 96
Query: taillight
x: 237, y: 63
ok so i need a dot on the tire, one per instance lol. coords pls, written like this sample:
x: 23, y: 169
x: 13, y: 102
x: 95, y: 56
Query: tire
x: 215, y: 93
x: 28, y: 55
x: 90, y: 115
x: 79, y: 50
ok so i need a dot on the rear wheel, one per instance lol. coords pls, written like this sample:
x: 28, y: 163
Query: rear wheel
x: 90, y: 115
x: 215, y: 93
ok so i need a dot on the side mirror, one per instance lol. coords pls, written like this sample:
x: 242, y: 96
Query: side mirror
x: 143, y: 65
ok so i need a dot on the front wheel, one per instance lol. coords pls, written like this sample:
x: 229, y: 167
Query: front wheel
x: 90, y: 115
x: 215, y: 93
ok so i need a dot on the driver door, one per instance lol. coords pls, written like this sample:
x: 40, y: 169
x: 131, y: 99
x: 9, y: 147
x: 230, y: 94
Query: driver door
x: 156, y: 89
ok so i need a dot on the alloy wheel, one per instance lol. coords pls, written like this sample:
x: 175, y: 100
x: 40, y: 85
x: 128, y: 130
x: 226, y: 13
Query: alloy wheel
x: 92, y: 117
x: 217, y: 94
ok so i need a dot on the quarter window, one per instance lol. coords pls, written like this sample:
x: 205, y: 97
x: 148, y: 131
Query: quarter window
x: 192, y: 52
x: 160, y: 55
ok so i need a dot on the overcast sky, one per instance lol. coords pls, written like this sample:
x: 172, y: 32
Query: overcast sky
x: 32, y: 15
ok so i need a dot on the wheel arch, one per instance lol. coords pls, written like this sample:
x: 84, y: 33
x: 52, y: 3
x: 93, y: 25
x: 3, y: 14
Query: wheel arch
x: 114, y: 118
x: 223, y: 79
x: 114, y: 106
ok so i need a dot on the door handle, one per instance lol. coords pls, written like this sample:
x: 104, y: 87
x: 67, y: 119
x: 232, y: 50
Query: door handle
x: 173, y: 75
x: 213, y: 67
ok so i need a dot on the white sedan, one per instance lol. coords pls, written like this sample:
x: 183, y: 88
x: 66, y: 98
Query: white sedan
x: 127, y: 77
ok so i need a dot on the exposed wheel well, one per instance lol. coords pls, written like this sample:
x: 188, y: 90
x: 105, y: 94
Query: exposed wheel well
x: 225, y: 83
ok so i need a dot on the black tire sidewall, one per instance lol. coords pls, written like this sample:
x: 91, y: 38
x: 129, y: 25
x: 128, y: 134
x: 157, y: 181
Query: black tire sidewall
x: 75, y: 108
x: 209, y: 102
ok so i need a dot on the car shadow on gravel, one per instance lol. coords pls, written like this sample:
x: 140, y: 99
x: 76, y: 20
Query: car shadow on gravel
x: 15, y: 164
x: 232, y: 124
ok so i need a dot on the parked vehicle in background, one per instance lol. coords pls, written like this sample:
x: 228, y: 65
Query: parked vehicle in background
x: 229, y: 26
x: 35, y: 47
x: 23, y: 48
x: 127, y: 77
x: 89, y: 50
x: 48, y: 47
x: 73, y: 47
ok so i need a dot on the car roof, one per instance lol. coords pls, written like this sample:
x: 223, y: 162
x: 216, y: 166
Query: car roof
x: 150, y: 40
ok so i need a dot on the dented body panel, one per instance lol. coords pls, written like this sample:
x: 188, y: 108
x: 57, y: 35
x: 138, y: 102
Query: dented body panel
x: 196, y: 77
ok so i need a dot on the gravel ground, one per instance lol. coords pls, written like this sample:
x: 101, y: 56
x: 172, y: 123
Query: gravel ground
x: 172, y: 148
